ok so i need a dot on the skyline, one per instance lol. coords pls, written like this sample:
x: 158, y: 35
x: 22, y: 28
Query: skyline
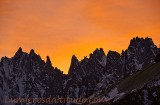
x: 75, y: 55
x: 62, y: 28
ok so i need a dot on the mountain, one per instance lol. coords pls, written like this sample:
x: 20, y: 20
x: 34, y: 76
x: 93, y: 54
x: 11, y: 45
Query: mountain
x: 101, y: 71
x: 27, y: 75
x: 141, y: 88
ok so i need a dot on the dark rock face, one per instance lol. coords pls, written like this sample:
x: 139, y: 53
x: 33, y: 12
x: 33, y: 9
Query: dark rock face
x: 147, y: 95
x: 157, y: 58
x: 27, y: 75
x: 101, y: 71
x: 141, y: 52
x: 84, y: 75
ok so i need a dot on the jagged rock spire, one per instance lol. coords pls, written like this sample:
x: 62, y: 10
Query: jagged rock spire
x: 32, y: 52
x: 143, y: 41
x: 19, y: 52
x: 48, y: 61
x: 74, y: 65
x: 113, y: 57
x: 97, y: 54
x: 74, y: 61
x: 99, y: 51
x: 74, y: 58
x: 113, y: 53
x: 20, y: 49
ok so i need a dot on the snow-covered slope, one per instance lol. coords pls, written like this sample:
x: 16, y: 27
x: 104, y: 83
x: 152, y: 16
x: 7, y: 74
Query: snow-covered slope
x: 142, y: 88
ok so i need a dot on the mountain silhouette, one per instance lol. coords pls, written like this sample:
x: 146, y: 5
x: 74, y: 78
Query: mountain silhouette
x: 27, y: 75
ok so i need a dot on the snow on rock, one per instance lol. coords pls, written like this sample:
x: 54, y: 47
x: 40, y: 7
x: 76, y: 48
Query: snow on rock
x: 113, y: 93
x: 146, y: 101
x: 76, y: 92
x: 103, y: 61
x: 138, y: 66
x: 154, y: 94
x: 157, y: 83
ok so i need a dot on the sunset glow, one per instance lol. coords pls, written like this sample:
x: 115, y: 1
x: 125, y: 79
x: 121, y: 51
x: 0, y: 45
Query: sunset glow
x: 61, y: 28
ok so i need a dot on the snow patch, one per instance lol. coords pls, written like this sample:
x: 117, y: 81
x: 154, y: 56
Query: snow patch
x: 154, y: 94
x: 146, y: 101
x: 113, y: 93
x: 138, y: 66
x: 103, y: 61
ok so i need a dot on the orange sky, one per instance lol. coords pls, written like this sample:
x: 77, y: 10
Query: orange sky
x: 61, y: 28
